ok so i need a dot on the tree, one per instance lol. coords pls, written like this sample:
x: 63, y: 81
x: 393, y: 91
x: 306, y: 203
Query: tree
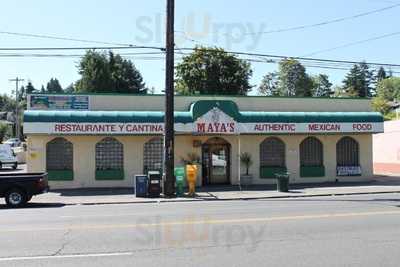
x: 293, y: 79
x: 322, y: 87
x: 389, y: 89
x: 269, y: 84
x: 381, y: 105
x: 4, y: 131
x: 108, y: 73
x: 7, y: 103
x: 359, y: 80
x: 381, y: 75
x: 70, y: 89
x: 53, y: 86
x: 213, y: 71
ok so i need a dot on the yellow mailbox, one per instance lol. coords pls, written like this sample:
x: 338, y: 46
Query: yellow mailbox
x: 191, y: 176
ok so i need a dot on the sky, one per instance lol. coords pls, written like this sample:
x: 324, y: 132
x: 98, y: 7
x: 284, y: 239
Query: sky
x: 233, y: 25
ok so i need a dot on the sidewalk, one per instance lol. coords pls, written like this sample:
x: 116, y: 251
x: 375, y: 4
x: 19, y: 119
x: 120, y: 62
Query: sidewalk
x: 381, y: 184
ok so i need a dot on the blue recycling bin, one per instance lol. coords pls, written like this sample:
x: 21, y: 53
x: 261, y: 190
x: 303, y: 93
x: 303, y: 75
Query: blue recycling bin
x: 141, y: 185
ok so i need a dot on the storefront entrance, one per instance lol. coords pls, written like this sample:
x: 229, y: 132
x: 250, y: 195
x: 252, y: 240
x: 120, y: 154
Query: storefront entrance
x: 216, y: 162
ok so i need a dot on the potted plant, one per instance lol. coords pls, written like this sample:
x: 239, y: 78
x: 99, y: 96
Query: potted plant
x: 246, y: 160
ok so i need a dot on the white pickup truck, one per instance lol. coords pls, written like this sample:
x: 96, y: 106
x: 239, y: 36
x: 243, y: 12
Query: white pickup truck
x: 7, y: 157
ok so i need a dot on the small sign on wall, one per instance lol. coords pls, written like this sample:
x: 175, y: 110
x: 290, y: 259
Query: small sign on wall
x: 349, y: 171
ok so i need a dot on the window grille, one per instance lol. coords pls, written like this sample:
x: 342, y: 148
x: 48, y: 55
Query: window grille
x: 347, y: 152
x: 109, y: 154
x: 59, y: 155
x: 311, y: 152
x: 153, y: 155
x: 272, y: 153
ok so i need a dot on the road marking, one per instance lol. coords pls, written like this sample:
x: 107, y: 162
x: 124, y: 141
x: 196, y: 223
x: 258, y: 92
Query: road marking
x: 203, y: 222
x: 72, y: 256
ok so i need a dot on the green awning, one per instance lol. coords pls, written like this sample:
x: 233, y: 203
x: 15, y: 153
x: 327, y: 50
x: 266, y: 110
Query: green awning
x: 188, y: 117
x: 103, y: 116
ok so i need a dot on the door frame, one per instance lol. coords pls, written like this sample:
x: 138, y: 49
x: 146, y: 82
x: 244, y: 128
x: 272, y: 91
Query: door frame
x: 206, y: 148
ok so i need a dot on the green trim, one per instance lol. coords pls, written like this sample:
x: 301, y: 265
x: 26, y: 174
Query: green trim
x: 269, y: 172
x: 110, y: 175
x: 197, y: 110
x: 207, y: 95
x: 312, y: 171
x: 60, y: 175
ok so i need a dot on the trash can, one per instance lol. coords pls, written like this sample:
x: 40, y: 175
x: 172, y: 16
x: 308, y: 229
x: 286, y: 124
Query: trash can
x: 154, y: 188
x: 141, y: 184
x: 179, y: 181
x: 282, y: 181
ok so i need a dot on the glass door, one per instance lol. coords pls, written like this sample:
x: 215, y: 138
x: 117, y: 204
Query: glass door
x: 219, y: 165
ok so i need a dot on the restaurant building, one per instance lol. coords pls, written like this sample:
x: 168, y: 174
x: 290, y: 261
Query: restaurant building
x: 85, y: 141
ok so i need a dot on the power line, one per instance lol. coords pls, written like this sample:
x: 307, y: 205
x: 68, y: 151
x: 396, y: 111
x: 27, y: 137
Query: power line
x: 53, y: 37
x: 323, y: 23
x: 80, y: 48
x: 353, y: 43
x: 152, y: 55
x: 301, y: 58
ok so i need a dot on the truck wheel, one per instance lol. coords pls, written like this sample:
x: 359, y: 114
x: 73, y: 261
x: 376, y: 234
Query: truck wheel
x: 16, y: 198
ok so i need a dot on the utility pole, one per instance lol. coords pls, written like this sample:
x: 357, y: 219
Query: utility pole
x: 169, y: 132
x: 17, y: 126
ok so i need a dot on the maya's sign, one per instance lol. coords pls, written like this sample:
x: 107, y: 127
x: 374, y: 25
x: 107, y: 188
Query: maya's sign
x: 215, y: 122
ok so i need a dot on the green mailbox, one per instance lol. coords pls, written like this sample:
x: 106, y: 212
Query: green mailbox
x: 180, y: 180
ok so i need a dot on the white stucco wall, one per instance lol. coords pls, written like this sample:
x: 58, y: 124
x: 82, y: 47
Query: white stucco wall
x: 84, y: 159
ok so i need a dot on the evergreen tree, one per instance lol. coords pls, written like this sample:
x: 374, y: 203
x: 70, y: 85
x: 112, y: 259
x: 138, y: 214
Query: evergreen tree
x: 42, y: 89
x: 70, y: 89
x: 381, y: 75
x: 53, y: 86
x: 358, y: 81
x: 108, y: 73
x: 30, y: 88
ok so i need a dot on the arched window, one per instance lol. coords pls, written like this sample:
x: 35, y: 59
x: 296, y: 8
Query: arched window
x: 272, y: 157
x: 153, y: 155
x: 347, y: 153
x: 109, y: 159
x: 311, y: 152
x: 311, y: 158
x: 59, y: 159
x: 109, y: 154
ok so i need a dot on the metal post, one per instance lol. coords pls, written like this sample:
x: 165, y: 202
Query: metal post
x: 17, y: 126
x: 239, y: 163
x: 169, y: 186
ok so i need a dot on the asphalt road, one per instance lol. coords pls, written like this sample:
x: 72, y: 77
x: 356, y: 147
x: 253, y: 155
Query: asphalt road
x: 334, y: 231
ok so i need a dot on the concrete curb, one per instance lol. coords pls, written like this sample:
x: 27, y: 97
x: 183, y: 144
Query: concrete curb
x: 162, y: 201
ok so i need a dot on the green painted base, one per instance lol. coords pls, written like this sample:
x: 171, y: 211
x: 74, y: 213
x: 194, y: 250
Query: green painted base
x: 110, y: 175
x: 269, y: 172
x: 60, y: 175
x: 317, y: 171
